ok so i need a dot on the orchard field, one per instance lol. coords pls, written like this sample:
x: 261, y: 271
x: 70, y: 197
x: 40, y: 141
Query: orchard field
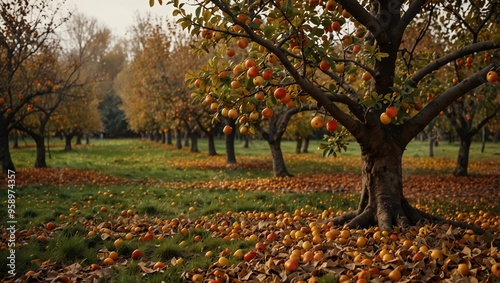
x: 139, y: 211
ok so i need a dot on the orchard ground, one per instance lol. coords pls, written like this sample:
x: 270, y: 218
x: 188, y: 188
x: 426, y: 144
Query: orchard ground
x: 194, y: 219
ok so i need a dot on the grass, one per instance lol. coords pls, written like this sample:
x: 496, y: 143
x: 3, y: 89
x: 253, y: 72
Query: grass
x: 145, y: 159
x: 76, y: 210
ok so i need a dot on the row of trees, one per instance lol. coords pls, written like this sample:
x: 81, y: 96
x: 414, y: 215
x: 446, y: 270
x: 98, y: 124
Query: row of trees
x: 157, y: 101
x: 54, y: 74
x: 63, y: 75
x: 417, y: 59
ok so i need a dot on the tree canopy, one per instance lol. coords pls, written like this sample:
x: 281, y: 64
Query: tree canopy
x: 355, y: 60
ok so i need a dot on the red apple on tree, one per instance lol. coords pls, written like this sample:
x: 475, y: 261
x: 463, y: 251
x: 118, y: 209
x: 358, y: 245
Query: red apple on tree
x: 336, y: 26
x: 280, y: 93
x: 242, y: 43
x: 267, y: 74
x: 323, y: 65
x: 332, y: 126
x: 391, y: 111
x: 250, y: 63
x: 227, y: 130
x: 267, y: 113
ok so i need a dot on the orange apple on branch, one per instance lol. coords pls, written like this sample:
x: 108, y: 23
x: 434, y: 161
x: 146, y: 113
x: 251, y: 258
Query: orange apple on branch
x: 317, y: 122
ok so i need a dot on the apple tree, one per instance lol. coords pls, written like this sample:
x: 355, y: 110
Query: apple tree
x: 34, y: 118
x: 471, y: 112
x: 304, y: 41
x: 26, y: 28
x: 156, y: 98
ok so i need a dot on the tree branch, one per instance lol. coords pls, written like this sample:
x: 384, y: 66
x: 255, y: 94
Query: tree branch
x: 410, y: 15
x: 425, y: 116
x: 481, y: 124
x: 440, y: 62
x: 366, y: 19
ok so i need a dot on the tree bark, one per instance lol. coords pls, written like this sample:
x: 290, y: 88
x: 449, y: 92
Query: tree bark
x: 463, y: 156
x: 5, y: 157
x: 178, y: 138
x: 298, y: 145
x: 211, y: 144
x: 246, y: 141
x: 78, y: 139
x: 305, y: 148
x: 169, y: 138
x: 40, y: 161
x: 186, y: 138
x: 230, y: 152
x: 279, y: 167
x: 194, y: 141
x: 382, y: 201
x: 68, y: 139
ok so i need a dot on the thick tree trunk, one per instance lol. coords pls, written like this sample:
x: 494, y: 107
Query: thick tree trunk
x: 169, y: 138
x: 382, y: 201
x: 246, y: 141
x: 40, y: 161
x: 305, y: 149
x: 211, y: 144
x: 78, y: 139
x: 194, y: 142
x: 5, y: 157
x: 463, y: 157
x: 178, y: 138
x: 87, y: 139
x: 279, y: 167
x: 298, y: 145
x: 230, y: 152
x: 186, y: 138
x: 68, y: 139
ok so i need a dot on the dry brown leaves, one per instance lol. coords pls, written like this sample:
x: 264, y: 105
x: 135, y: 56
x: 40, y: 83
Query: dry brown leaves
x: 338, y: 253
x: 66, y: 176
x: 473, y: 188
x: 333, y: 250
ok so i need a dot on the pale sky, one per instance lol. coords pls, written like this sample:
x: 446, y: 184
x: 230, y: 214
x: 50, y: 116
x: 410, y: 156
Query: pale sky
x: 117, y: 15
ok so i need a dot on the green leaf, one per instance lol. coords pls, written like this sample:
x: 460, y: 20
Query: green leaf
x: 381, y: 55
x: 269, y: 30
x: 254, y: 25
x: 288, y: 7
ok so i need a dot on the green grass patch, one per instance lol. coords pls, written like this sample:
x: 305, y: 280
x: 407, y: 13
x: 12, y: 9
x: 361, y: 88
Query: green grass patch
x: 144, y: 159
